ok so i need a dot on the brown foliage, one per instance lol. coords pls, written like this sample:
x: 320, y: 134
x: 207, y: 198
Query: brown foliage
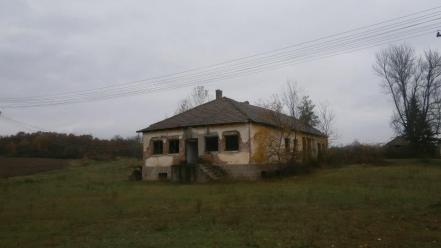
x: 355, y: 153
x: 57, y: 145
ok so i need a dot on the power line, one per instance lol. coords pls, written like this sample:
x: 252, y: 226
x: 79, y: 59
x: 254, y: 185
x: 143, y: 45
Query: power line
x: 200, y: 80
x: 152, y: 88
x: 125, y: 86
x: 95, y: 92
x: 208, y: 81
x: 402, y: 28
x: 268, y: 52
x: 21, y: 123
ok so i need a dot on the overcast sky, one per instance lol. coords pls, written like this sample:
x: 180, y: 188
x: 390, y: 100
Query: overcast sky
x: 50, y: 47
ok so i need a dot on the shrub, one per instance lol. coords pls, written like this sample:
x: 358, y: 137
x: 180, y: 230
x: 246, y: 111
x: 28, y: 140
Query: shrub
x: 68, y: 146
x: 136, y: 174
x: 355, y: 153
x: 290, y: 169
x: 411, y: 151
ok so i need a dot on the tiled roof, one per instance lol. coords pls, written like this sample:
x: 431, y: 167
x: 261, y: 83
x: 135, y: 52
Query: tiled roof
x: 227, y: 111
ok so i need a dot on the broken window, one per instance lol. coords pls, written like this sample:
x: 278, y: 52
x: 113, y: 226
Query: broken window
x: 287, y: 144
x: 157, y: 147
x: 212, y: 143
x: 173, y: 146
x: 232, y: 142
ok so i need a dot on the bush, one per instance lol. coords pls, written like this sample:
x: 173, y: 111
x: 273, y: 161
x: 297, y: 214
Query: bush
x: 68, y: 146
x: 136, y: 174
x: 353, y: 154
x: 411, y: 151
x: 290, y: 169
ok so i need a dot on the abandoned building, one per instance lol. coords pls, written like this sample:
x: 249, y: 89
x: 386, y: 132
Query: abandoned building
x: 224, y: 138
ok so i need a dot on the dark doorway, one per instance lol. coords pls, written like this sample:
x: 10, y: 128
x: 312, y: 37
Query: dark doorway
x: 191, y: 151
x: 186, y: 173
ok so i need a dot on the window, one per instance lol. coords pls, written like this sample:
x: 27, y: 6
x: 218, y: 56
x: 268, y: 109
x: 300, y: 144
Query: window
x: 162, y: 175
x: 211, y: 143
x: 173, y: 146
x: 296, y: 145
x: 232, y: 142
x: 287, y: 144
x: 157, y: 147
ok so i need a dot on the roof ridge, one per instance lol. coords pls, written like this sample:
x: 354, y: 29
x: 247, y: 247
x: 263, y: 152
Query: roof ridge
x: 297, y: 121
x: 226, y: 110
x: 179, y: 114
x: 263, y: 108
x: 233, y: 103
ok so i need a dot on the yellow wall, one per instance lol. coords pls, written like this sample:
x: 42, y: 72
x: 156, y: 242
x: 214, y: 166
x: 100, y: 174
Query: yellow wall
x: 254, y: 144
x: 261, y: 136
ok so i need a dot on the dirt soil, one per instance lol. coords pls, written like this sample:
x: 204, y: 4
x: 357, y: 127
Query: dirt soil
x: 10, y: 167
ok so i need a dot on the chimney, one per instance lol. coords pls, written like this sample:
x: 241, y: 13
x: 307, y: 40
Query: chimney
x: 218, y: 94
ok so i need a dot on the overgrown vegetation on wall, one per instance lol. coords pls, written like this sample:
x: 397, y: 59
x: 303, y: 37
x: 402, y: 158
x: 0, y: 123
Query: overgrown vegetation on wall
x: 58, y: 145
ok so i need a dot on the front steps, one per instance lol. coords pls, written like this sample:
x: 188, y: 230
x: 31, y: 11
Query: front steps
x: 213, y: 172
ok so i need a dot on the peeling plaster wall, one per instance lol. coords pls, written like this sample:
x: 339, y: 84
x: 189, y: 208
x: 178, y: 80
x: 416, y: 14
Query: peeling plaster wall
x: 260, y: 135
x: 242, y: 156
x: 245, y: 162
x: 259, y: 143
x: 163, y: 159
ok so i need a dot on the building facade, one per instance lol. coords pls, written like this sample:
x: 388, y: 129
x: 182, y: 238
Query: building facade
x: 224, y: 138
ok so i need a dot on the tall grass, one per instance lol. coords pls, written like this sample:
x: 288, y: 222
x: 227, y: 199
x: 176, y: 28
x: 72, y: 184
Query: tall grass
x: 352, y: 206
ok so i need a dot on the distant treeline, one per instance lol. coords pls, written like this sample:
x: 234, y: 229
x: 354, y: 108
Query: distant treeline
x: 59, y: 145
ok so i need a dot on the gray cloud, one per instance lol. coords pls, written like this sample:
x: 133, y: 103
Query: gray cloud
x: 49, y: 47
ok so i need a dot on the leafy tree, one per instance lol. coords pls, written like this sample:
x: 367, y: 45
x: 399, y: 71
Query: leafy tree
x: 306, y: 112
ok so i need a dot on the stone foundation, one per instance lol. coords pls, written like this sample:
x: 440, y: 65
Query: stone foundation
x: 152, y: 173
x: 247, y: 171
x: 184, y: 174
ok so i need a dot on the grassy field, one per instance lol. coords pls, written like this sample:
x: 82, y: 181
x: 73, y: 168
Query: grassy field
x: 10, y: 167
x: 94, y: 205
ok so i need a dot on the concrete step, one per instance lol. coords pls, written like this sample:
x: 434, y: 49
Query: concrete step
x: 212, y: 171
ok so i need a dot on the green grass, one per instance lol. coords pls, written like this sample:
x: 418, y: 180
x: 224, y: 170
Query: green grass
x: 398, y: 205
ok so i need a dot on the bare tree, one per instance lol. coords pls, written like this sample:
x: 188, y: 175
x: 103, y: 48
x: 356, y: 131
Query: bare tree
x: 326, y: 122
x: 183, y: 106
x: 274, y: 141
x: 290, y: 107
x: 198, y: 96
x: 414, y: 83
x: 283, y: 115
x: 291, y: 98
